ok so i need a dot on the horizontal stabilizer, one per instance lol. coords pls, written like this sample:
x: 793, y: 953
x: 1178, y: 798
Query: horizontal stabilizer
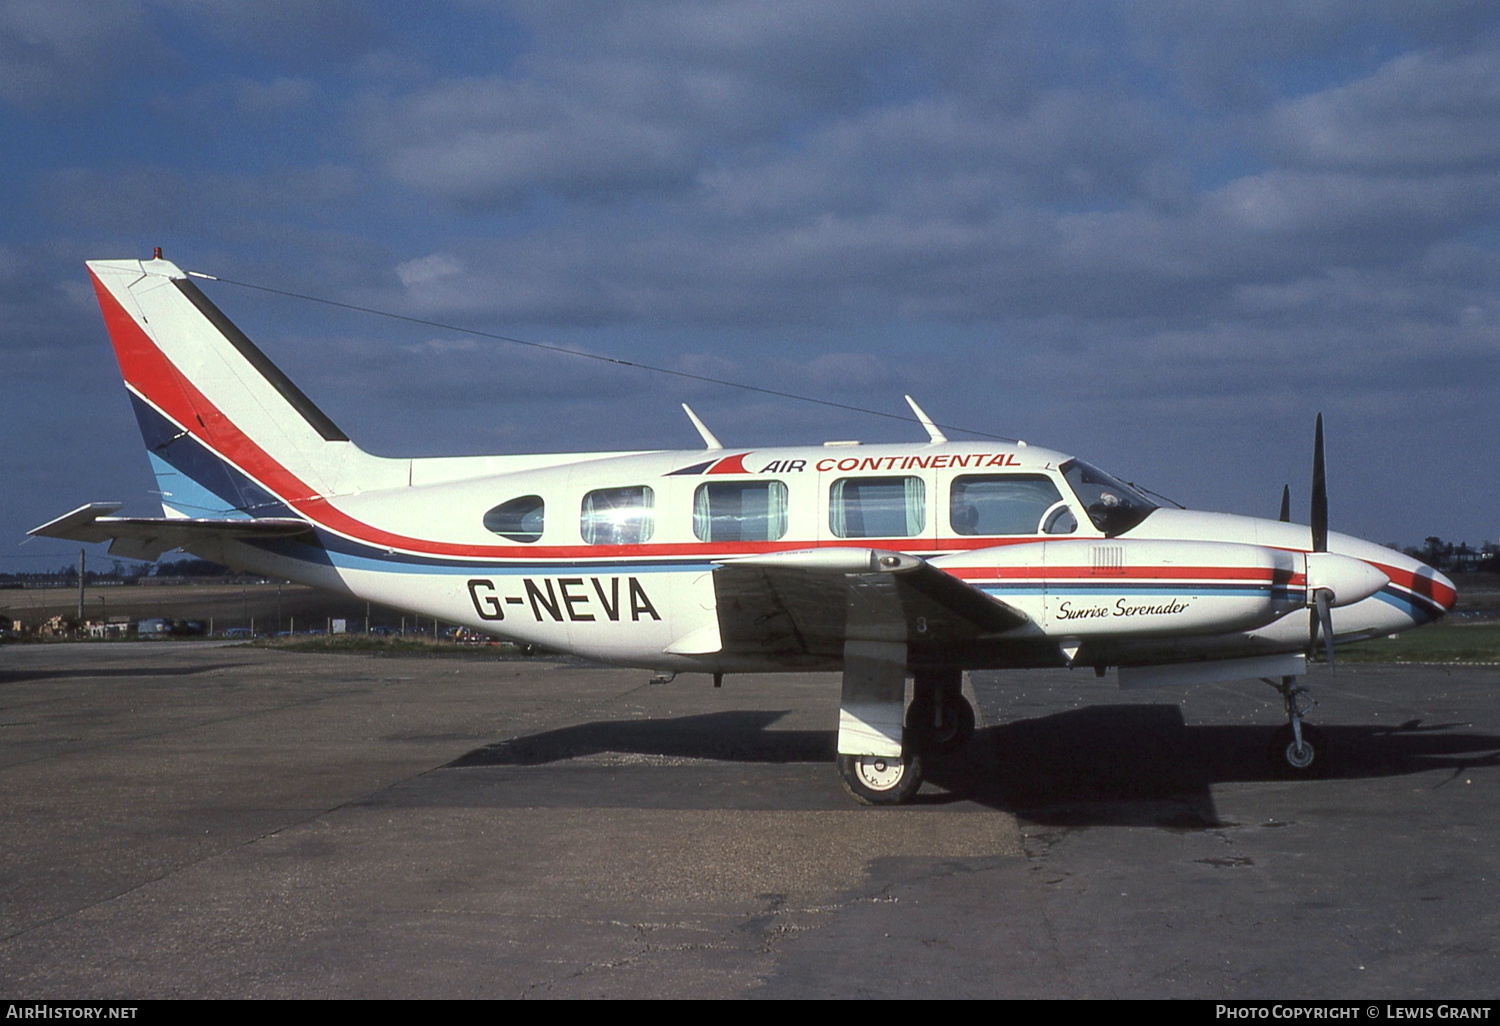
x: 148, y: 537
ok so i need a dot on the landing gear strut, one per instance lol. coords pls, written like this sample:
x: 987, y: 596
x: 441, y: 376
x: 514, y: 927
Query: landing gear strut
x: 940, y: 719
x: 1297, y: 748
x: 878, y: 764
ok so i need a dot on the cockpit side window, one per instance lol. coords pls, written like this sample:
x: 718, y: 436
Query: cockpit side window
x: 519, y: 519
x: 618, y: 516
x: 997, y: 504
x: 1114, y: 506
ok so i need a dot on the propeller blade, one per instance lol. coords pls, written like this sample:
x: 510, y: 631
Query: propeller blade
x: 1319, y: 493
x: 1286, y: 504
x: 1322, y: 617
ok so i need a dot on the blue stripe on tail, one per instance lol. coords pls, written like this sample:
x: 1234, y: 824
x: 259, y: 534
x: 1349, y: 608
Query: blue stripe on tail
x: 193, y: 480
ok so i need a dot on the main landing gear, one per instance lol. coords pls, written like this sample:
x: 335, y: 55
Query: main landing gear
x: 1297, y: 749
x: 939, y: 721
x: 881, y: 779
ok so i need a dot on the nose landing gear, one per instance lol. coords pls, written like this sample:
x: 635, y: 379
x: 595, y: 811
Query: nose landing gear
x: 1297, y: 749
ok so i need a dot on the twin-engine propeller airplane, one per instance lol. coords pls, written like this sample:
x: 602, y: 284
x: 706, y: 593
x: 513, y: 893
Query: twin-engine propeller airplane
x: 883, y: 561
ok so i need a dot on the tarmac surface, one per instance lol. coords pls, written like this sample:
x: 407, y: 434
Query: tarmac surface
x: 194, y: 820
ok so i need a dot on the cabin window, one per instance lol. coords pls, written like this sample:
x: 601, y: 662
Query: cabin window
x: 877, y: 507
x: 618, y: 516
x: 735, y: 511
x: 991, y: 504
x: 519, y: 519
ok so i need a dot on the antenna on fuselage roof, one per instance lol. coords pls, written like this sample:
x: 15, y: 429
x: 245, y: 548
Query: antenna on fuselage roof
x: 709, y: 441
x: 932, y: 429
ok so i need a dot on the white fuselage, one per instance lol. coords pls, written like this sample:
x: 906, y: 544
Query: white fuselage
x: 641, y: 595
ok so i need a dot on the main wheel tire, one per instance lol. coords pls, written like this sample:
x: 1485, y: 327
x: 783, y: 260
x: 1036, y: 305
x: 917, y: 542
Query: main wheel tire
x: 939, y: 725
x: 881, y: 779
x: 1310, y: 760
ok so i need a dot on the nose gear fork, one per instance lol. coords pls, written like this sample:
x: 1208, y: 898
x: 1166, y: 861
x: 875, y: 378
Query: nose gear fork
x: 1296, y: 745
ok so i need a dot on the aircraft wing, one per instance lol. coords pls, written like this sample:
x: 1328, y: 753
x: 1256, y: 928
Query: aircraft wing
x: 148, y: 537
x: 809, y: 603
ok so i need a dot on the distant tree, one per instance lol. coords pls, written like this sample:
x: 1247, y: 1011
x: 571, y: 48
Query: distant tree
x: 190, y: 568
x: 1436, y: 552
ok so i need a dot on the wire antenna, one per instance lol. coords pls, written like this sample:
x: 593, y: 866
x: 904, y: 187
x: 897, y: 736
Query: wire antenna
x: 547, y: 347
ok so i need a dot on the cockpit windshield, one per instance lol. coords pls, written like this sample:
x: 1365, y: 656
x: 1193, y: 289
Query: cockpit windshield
x: 1114, y: 506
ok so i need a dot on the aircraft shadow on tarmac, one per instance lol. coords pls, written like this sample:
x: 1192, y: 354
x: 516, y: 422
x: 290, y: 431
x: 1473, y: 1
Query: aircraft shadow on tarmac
x: 75, y: 673
x: 1129, y: 765
x: 737, y: 736
x: 1142, y: 765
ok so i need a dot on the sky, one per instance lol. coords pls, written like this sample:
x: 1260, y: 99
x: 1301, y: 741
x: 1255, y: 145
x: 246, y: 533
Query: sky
x: 1161, y: 236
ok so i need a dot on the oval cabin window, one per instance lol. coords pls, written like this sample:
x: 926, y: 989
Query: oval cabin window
x: 519, y: 519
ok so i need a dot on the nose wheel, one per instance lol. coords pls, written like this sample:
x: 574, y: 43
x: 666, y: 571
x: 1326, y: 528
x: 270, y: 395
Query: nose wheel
x: 1304, y: 756
x: 1297, y: 749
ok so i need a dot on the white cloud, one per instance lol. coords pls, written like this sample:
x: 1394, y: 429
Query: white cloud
x: 1426, y: 111
x: 429, y: 268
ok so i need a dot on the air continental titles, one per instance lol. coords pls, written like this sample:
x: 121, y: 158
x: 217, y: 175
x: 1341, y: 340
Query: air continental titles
x: 959, y: 461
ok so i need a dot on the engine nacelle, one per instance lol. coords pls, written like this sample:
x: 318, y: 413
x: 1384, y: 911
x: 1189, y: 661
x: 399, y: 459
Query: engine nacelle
x: 1084, y: 588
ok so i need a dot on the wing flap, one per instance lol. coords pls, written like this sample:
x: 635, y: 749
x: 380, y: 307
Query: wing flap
x: 804, y: 605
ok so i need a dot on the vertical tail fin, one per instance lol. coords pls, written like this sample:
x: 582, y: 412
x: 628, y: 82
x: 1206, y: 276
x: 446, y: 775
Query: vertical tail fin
x: 228, y: 433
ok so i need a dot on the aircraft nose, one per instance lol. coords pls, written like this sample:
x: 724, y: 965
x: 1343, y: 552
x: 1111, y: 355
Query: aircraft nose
x: 1434, y: 586
x: 1445, y: 591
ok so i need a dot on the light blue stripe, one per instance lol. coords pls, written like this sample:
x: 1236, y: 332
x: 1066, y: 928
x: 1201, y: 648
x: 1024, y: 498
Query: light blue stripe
x: 184, y: 494
x: 1407, y: 606
x: 1132, y: 589
x: 346, y: 561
